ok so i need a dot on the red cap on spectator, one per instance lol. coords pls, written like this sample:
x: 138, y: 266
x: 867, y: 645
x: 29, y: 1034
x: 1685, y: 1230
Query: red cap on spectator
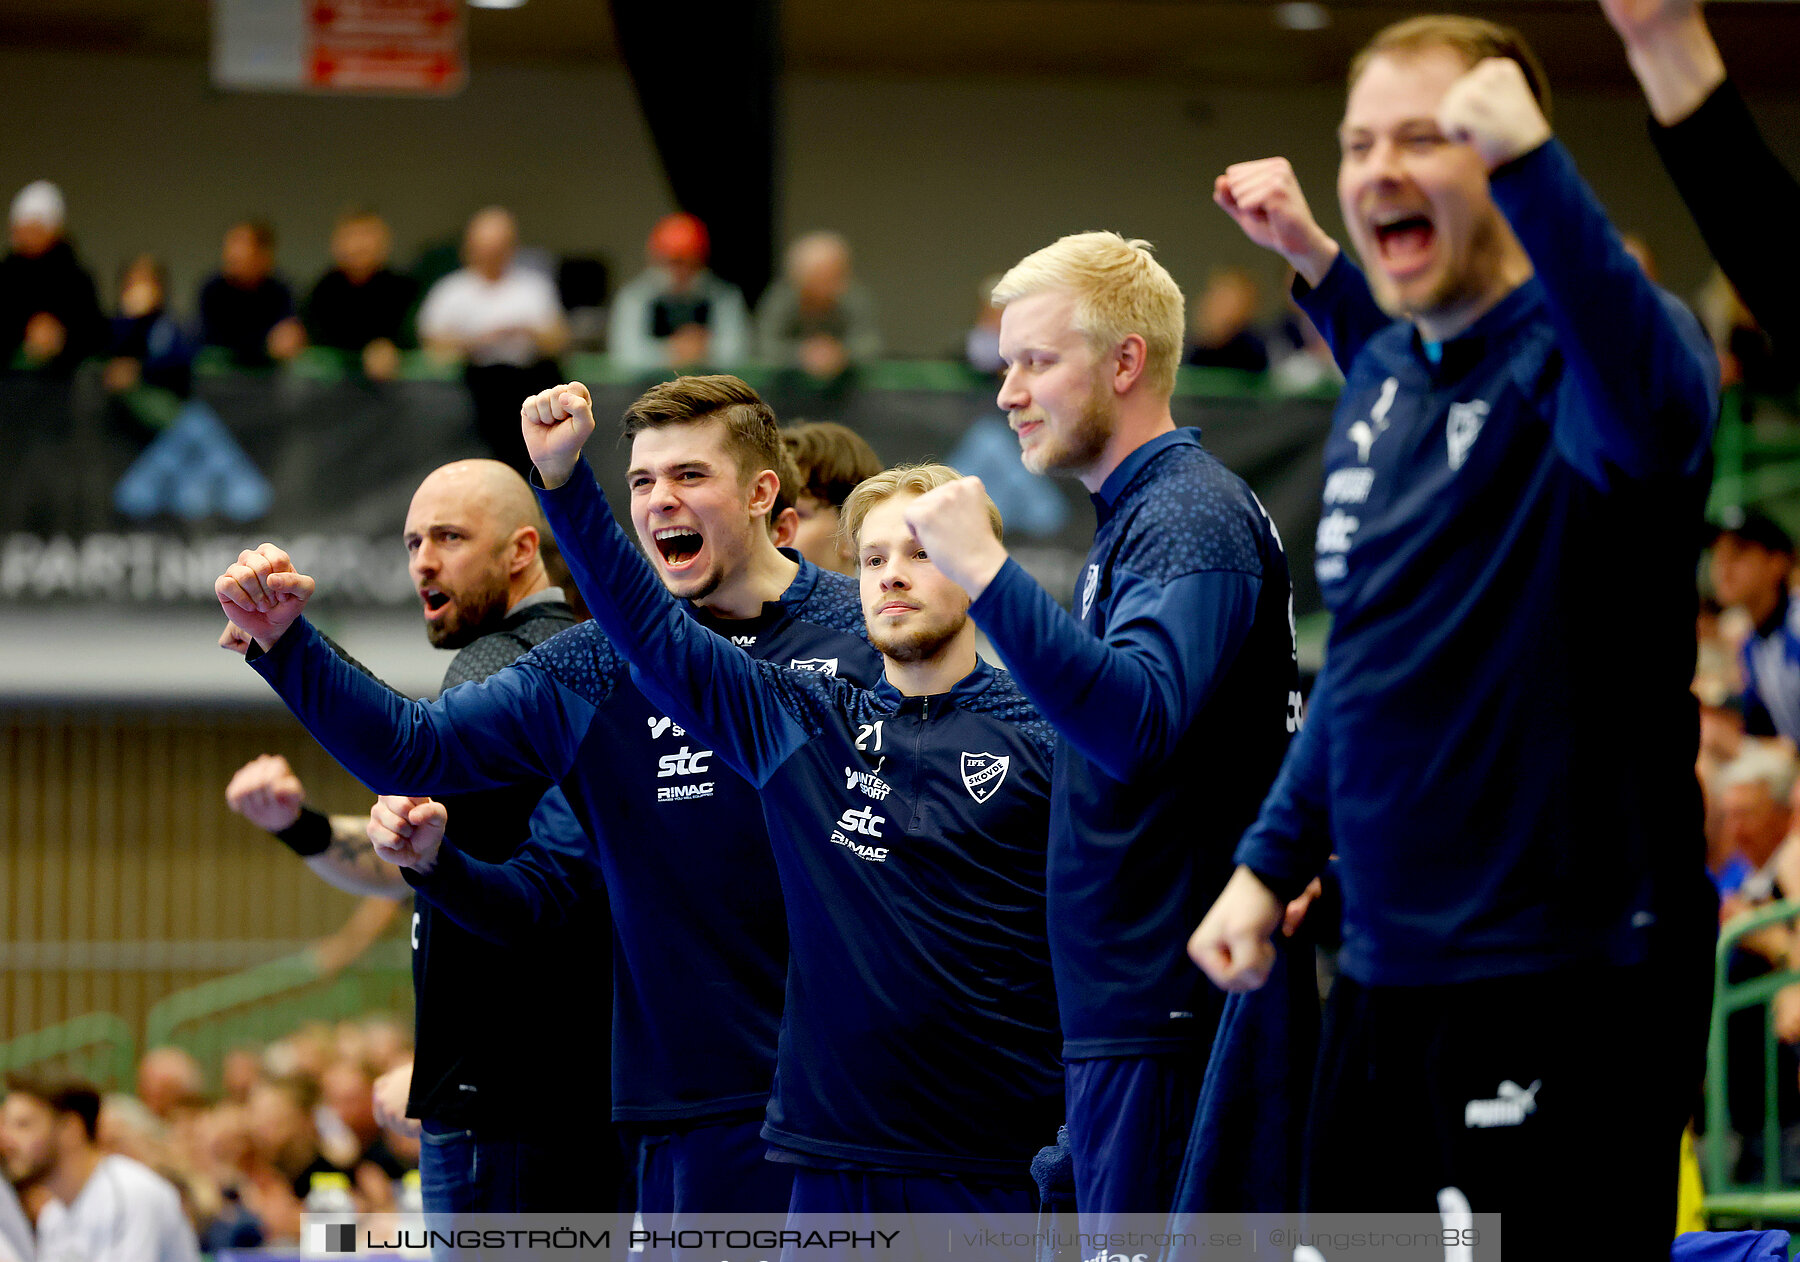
x: 680, y: 238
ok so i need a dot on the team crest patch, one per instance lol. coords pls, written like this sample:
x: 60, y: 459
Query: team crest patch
x: 983, y: 774
x: 819, y: 665
x: 1462, y: 428
x: 1087, y: 591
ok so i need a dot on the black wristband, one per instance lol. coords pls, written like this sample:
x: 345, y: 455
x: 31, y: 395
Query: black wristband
x: 309, y: 835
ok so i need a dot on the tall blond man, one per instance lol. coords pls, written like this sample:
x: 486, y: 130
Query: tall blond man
x: 1172, y: 687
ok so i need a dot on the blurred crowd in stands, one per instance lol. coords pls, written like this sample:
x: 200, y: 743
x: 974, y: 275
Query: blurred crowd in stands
x: 1747, y: 680
x: 241, y: 1156
x: 505, y: 312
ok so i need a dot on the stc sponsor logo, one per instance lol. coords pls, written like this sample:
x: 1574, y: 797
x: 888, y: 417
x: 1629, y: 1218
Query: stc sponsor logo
x: 684, y: 762
x: 855, y: 823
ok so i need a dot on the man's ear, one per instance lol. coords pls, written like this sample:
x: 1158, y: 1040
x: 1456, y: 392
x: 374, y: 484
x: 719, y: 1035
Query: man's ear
x: 523, y: 550
x: 1128, y: 362
x: 763, y: 492
x: 785, y: 526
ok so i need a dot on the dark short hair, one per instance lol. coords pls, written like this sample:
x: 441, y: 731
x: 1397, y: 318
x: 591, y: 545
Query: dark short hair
x: 751, y: 434
x: 63, y: 1093
x: 829, y: 459
x: 1474, y: 39
x: 788, y: 474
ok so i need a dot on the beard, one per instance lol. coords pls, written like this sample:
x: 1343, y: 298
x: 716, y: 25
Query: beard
x: 28, y: 1175
x: 916, y: 643
x: 1079, y: 446
x: 476, y: 613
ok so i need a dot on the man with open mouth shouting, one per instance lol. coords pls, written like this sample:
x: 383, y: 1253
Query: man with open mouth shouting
x: 1521, y: 854
x: 701, y: 946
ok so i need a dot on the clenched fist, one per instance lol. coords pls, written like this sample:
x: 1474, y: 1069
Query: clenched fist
x: 556, y: 424
x: 263, y: 593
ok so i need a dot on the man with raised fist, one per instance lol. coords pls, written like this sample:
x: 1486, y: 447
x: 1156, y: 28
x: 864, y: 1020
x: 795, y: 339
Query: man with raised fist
x: 473, y: 539
x: 1506, y: 779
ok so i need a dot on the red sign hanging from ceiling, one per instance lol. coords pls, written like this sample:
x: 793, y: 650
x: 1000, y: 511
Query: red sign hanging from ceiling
x: 413, y: 46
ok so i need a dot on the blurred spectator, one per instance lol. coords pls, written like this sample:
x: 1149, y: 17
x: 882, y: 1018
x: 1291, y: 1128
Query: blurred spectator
x: 103, y: 1207
x: 677, y: 314
x: 1752, y: 561
x: 1747, y: 355
x: 49, y: 311
x: 1754, y: 791
x: 1757, y: 789
x: 357, y: 1142
x: 147, y: 345
x: 504, y: 322
x: 246, y: 309
x: 284, y: 1139
x: 829, y: 460
x: 240, y: 1071
x: 215, y: 1148
x: 981, y: 346
x: 361, y: 305
x: 817, y: 317
x: 168, y: 1079
x: 1224, y: 314
x: 15, y: 1228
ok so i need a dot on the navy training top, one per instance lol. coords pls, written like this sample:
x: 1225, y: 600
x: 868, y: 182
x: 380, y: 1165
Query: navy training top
x: 1505, y: 768
x: 700, y: 941
x: 1173, y: 688
x: 920, y: 1030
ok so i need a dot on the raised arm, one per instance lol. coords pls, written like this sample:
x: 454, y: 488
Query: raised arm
x: 741, y: 706
x: 1264, y: 198
x: 266, y: 792
x: 1642, y: 378
x: 520, y: 725
x: 1743, y: 199
x: 1124, y: 701
x: 508, y: 903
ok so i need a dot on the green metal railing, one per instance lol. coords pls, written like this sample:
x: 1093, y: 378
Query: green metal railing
x: 96, y: 1045
x: 1726, y: 1198
x: 269, y: 1000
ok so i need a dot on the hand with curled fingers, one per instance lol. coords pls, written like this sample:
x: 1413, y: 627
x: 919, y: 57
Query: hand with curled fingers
x: 266, y: 792
x: 234, y: 639
x: 408, y: 831
x: 1264, y: 198
x: 1491, y: 109
x: 263, y: 594
x: 390, y: 1096
x: 556, y: 424
x: 1234, y: 945
x: 952, y: 525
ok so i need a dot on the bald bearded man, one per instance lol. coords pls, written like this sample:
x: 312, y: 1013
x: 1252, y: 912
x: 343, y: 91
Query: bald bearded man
x: 474, y: 543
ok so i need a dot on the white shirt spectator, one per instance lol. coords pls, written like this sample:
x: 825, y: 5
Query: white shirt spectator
x: 499, y: 319
x: 15, y: 1229
x: 125, y: 1212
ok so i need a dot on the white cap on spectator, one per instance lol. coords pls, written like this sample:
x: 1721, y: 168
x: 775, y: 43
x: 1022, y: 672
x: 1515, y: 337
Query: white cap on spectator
x: 39, y: 202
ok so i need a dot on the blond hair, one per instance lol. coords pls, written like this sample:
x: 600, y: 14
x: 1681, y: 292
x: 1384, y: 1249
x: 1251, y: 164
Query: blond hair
x: 1119, y: 289
x: 906, y: 479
